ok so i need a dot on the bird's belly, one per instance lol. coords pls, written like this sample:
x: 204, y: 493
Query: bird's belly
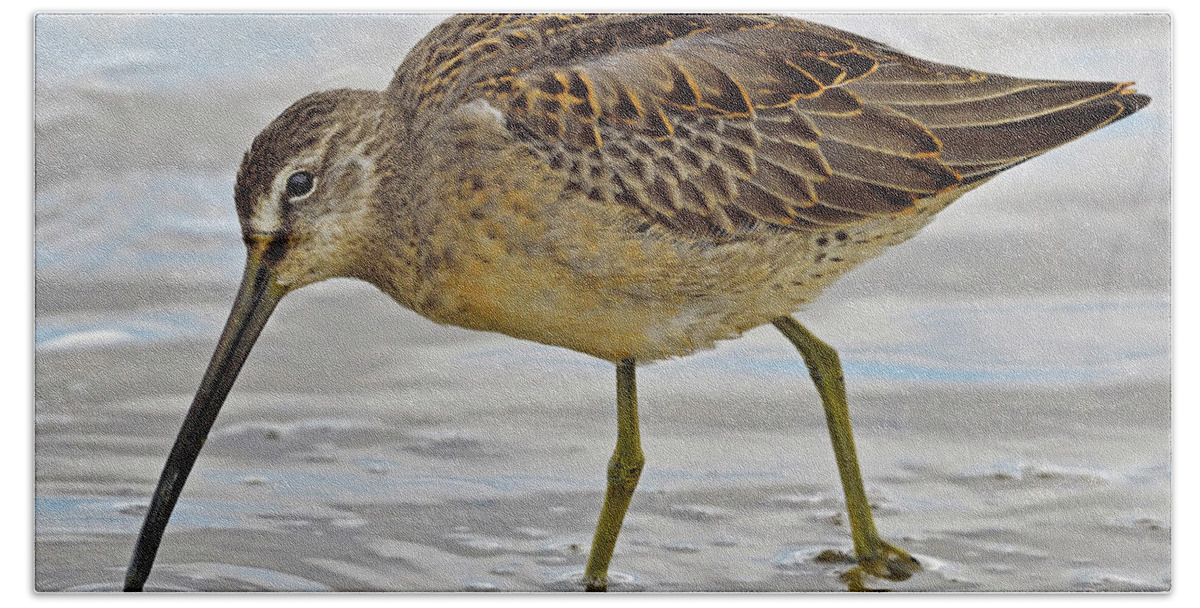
x: 644, y: 301
x: 617, y: 297
x: 553, y: 304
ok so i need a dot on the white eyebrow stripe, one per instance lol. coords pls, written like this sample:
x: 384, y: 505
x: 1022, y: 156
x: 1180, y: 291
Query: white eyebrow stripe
x: 266, y: 216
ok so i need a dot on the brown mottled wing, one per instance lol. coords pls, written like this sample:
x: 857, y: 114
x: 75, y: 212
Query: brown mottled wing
x: 726, y: 123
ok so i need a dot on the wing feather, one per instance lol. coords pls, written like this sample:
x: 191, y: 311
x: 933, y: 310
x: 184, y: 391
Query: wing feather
x: 732, y: 123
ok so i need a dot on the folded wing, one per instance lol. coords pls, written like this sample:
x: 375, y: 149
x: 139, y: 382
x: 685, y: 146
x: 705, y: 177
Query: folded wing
x: 735, y: 123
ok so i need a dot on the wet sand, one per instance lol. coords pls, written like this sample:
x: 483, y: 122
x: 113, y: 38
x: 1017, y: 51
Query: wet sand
x: 364, y: 448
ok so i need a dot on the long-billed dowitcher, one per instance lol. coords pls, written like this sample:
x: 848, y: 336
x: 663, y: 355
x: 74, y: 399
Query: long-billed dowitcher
x: 633, y: 187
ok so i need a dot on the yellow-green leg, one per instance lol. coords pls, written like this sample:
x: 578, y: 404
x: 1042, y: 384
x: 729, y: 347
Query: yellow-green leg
x: 624, y: 468
x: 875, y: 557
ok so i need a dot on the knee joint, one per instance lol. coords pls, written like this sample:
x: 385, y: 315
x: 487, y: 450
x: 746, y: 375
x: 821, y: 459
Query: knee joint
x: 625, y: 468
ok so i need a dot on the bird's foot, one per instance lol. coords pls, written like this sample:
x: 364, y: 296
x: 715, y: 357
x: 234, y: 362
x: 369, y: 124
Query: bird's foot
x: 592, y: 583
x: 890, y: 563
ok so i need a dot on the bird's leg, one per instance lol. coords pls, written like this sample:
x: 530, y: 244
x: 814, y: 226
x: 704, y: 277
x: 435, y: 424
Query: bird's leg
x: 624, y: 468
x: 875, y: 557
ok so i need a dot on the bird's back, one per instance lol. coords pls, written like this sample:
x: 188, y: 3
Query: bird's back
x: 697, y: 175
x: 732, y: 123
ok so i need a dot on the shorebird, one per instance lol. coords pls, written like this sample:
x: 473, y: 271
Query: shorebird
x: 632, y: 187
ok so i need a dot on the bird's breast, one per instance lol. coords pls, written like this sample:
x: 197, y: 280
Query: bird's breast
x: 515, y: 261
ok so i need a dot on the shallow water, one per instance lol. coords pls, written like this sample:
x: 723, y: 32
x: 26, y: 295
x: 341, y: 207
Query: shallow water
x: 429, y: 458
x: 1008, y: 370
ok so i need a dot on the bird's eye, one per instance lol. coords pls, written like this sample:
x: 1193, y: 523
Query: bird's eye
x: 300, y: 184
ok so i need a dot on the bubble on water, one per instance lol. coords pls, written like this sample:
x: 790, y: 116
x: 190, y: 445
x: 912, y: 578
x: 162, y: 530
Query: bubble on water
x: 476, y: 546
x: 560, y: 553
x: 531, y: 533
x: 705, y: 513
x: 1108, y: 581
x: 1008, y: 472
x: 133, y: 509
x: 481, y: 586
x: 448, y: 444
x: 398, y: 550
x: 506, y: 569
x: 805, y: 501
x: 1141, y: 521
x: 315, y: 435
x: 1009, y: 549
x: 378, y: 467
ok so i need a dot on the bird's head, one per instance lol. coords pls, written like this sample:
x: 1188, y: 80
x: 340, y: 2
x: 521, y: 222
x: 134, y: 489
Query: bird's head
x: 306, y: 187
x: 306, y: 197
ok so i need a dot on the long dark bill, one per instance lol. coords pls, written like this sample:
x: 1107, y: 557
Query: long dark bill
x: 256, y: 299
